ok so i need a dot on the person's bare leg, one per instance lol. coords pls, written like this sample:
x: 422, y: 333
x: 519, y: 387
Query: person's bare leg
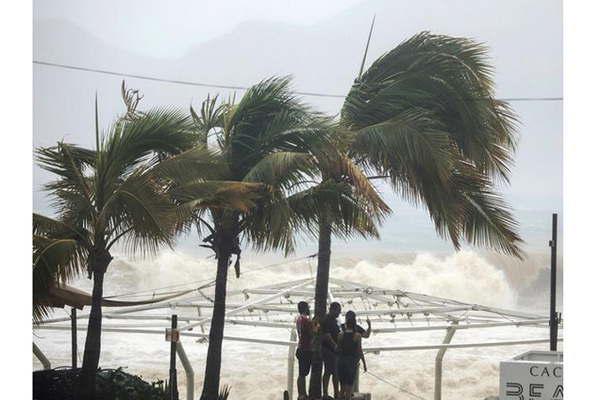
x: 336, y: 386
x: 326, y: 376
x: 301, y: 387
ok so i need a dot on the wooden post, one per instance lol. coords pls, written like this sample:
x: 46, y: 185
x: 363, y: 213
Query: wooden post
x: 174, y: 395
x: 553, y: 315
x: 73, y: 337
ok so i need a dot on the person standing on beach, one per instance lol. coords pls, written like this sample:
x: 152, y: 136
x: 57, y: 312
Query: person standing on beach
x: 331, y: 331
x: 349, y: 346
x: 304, y: 327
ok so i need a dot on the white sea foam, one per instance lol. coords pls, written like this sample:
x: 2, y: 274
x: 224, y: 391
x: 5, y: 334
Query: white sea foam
x: 257, y: 371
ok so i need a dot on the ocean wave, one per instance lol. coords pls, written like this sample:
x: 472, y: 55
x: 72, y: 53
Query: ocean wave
x: 466, y: 275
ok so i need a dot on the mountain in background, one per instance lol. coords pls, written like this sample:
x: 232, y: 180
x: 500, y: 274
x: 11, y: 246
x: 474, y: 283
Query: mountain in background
x: 324, y: 57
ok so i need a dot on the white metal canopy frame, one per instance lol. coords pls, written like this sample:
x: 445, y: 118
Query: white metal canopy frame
x: 392, y: 312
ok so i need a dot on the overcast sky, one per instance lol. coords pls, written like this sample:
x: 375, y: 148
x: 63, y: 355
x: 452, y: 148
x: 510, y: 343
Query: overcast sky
x: 319, y: 42
x: 166, y: 29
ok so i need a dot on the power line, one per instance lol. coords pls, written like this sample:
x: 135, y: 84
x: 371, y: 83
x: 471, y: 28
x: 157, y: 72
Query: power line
x: 232, y: 87
x: 178, y: 82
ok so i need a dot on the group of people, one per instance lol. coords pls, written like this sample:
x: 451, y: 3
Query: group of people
x: 341, y: 349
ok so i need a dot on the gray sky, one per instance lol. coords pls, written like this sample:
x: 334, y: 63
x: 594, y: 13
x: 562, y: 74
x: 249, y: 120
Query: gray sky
x: 319, y: 43
x: 167, y: 29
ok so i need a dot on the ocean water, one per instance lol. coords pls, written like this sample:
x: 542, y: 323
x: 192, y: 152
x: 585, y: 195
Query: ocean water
x: 408, y: 256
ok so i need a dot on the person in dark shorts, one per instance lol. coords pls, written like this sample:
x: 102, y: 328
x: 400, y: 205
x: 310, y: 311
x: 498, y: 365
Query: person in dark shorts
x: 304, y: 327
x: 349, y: 347
x: 331, y: 331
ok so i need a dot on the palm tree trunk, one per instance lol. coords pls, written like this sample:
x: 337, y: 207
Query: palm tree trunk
x: 91, y: 354
x: 324, y: 260
x: 212, y: 374
x: 321, y: 291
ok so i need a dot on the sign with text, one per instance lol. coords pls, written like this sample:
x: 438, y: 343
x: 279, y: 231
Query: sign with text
x: 172, y: 335
x: 535, y: 375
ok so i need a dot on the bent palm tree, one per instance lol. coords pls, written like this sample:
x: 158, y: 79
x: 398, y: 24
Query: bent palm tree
x: 111, y: 195
x: 266, y: 139
x: 424, y: 117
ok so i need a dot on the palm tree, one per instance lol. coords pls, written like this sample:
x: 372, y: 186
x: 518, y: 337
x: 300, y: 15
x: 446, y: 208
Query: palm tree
x: 269, y: 138
x: 342, y: 203
x: 111, y: 195
x: 424, y: 118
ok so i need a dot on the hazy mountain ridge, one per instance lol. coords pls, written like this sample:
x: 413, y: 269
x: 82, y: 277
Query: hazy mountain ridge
x: 324, y: 57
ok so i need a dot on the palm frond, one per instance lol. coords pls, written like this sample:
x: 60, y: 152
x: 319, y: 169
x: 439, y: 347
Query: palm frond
x: 159, y: 132
x: 232, y: 195
x: 267, y: 119
x: 142, y: 211
x: 271, y: 224
x: 424, y: 115
x: 337, y: 203
x: 73, y: 191
x: 131, y: 98
x: 342, y: 168
x: 59, y: 255
x: 197, y: 163
x: 449, y: 77
x: 211, y: 116
x: 283, y: 169
x: 56, y: 229
x: 486, y: 219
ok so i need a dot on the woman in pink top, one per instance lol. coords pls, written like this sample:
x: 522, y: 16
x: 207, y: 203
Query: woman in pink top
x: 304, y: 326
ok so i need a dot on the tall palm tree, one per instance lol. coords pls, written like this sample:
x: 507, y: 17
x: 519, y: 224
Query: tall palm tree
x: 424, y: 118
x: 343, y: 202
x: 112, y: 195
x: 268, y: 138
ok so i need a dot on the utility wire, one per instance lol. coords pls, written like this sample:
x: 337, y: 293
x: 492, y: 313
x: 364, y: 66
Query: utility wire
x: 175, y: 81
x: 379, y: 378
x: 234, y: 87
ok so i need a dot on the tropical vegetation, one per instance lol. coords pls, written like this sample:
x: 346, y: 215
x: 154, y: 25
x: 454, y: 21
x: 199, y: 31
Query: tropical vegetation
x: 267, y: 140
x: 113, y: 194
x: 423, y: 118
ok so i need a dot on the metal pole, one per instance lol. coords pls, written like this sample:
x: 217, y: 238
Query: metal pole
x: 174, y: 395
x: 553, y: 316
x: 73, y: 337
x: 290, y: 372
x: 438, y: 364
x: 189, y: 371
x: 40, y: 356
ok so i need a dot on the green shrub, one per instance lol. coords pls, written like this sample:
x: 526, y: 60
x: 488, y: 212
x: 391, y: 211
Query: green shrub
x: 111, y: 384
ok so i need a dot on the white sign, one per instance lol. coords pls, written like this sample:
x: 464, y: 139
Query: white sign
x: 535, y: 375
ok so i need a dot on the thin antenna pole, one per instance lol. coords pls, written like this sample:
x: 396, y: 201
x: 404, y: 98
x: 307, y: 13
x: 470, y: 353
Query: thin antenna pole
x: 362, y: 65
x: 97, y: 129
